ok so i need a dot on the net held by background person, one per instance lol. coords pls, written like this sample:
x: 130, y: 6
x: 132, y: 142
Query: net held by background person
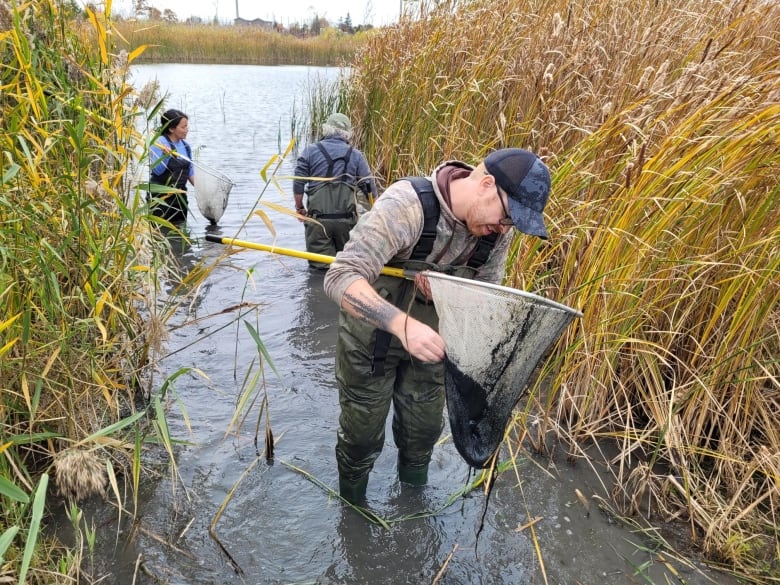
x: 212, y: 189
x: 495, y: 337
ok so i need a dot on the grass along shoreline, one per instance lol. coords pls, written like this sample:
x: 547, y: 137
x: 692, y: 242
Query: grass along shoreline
x: 186, y: 43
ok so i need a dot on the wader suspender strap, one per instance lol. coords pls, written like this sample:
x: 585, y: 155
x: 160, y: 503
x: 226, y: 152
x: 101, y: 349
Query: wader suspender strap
x: 187, y: 146
x: 482, y: 250
x: 431, y: 210
x: 382, y: 342
x: 422, y: 250
x: 346, y: 158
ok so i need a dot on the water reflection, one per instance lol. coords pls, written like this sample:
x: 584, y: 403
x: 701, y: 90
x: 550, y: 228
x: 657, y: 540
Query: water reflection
x: 315, y: 330
x: 182, y: 256
x: 369, y: 553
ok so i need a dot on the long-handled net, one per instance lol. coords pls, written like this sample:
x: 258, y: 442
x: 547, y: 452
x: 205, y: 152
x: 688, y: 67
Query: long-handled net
x: 212, y: 189
x: 495, y: 338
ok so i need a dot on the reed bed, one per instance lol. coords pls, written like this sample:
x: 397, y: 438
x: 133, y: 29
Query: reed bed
x: 79, y: 267
x: 659, y: 121
x: 185, y: 43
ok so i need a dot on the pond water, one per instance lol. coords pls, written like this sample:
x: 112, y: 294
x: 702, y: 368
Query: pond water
x: 278, y: 521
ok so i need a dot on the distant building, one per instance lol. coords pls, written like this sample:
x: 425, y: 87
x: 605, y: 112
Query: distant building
x: 257, y: 22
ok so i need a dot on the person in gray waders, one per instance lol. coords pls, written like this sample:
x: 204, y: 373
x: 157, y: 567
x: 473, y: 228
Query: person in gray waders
x: 171, y: 160
x: 459, y: 220
x: 336, y: 203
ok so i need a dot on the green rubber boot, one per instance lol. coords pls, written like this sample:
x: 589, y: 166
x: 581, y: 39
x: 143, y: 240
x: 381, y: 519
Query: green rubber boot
x: 353, y: 491
x: 417, y: 475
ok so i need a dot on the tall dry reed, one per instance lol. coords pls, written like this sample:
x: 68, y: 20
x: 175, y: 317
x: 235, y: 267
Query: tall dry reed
x: 659, y: 120
x: 78, y: 280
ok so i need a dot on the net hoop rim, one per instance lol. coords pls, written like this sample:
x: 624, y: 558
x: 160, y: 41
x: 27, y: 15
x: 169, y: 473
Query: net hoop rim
x: 505, y: 289
x: 199, y: 166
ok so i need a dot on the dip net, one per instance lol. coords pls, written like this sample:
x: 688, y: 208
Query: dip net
x: 212, y: 189
x: 495, y: 338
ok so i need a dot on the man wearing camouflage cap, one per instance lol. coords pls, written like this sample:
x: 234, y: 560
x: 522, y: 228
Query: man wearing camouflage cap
x: 389, y: 351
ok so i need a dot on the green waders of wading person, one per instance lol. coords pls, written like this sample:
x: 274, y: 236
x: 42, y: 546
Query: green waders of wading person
x: 334, y: 203
x: 389, y: 352
x: 417, y: 403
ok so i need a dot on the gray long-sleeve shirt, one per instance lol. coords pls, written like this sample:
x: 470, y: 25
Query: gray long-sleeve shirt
x: 312, y: 163
x: 391, y: 230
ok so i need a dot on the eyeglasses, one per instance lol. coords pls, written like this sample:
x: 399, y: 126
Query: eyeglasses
x: 507, y: 219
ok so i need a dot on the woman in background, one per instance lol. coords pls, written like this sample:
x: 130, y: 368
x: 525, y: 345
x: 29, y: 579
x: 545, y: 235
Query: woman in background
x: 171, y: 159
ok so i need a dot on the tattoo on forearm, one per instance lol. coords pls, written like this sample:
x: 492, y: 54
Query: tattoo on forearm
x: 376, y: 314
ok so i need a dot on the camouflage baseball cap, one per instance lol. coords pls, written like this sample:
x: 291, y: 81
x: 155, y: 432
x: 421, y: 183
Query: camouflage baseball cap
x: 526, y: 180
x: 339, y: 122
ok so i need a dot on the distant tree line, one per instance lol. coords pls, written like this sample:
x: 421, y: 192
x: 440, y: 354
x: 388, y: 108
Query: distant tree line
x: 310, y: 28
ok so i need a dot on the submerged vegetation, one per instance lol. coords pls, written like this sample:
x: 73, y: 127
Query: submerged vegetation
x: 660, y: 122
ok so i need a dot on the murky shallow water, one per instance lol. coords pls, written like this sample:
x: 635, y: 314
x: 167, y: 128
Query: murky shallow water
x: 277, y: 524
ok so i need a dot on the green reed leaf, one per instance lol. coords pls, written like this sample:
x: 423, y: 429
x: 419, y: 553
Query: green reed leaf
x: 9, y: 174
x: 261, y: 347
x: 12, y: 491
x: 35, y: 526
x: 6, y: 539
x: 115, y: 427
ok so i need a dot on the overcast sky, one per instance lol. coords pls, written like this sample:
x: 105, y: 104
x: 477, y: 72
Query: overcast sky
x: 376, y: 12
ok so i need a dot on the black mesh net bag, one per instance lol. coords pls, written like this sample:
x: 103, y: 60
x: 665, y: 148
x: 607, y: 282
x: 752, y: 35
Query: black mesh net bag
x: 495, y: 337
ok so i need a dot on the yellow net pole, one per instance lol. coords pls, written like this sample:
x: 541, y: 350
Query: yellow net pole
x: 387, y: 270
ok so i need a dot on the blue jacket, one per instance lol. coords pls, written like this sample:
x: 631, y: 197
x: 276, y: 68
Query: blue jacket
x: 160, y: 160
